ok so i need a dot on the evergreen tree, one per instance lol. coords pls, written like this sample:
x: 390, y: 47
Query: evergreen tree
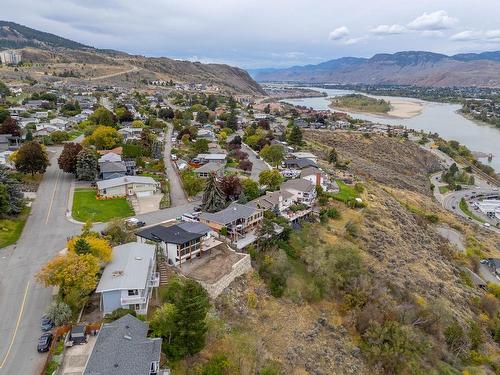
x: 295, y: 137
x: 14, y: 193
x: 86, y: 165
x: 82, y: 247
x: 29, y: 135
x: 333, y: 156
x: 191, y: 310
x: 213, y: 197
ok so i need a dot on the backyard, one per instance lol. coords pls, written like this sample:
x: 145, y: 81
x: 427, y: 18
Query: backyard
x: 346, y: 193
x: 87, y: 207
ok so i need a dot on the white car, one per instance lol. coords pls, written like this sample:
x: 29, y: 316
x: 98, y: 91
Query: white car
x: 487, y: 225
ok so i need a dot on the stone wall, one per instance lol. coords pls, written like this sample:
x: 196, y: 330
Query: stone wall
x: 239, y: 268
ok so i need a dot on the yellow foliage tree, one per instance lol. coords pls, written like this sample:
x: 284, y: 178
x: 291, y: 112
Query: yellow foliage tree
x: 104, y: 138
x: 75, y: 275
x: 95, y: 245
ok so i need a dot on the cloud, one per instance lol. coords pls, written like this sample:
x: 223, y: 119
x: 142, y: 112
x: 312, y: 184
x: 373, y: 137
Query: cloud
x: 338, y: 33
x: 439, y: 20
x: 388, y: 29
x: 488, y: 36
x: 357, y: 40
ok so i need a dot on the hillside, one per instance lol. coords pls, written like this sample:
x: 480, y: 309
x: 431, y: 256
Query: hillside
x: 374, y: 290
x: 405, y: 68
x: 47, y: 50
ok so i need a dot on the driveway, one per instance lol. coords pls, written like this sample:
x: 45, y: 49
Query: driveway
x: 149, y: 204
x: 177, y: 195
x: 258, y: 165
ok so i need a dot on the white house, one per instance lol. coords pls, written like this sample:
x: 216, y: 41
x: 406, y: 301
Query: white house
x: 319, y: 178
x: 128, y: 280
x: 304, y: 191
x: 139, y: 186
x: 490, y: 207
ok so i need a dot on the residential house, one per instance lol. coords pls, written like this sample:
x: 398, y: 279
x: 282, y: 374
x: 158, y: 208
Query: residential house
x: 239, y: 221
x: 123, y: 348
x: 110, y: 157
x: 299, y: 163
x: 140, y: 186
x: 305, y: 155
x: 274, y: 201
x: 304, y: 191
x: 128, y: 280
x: 112, y: 169
x: 181, y: 242
x: 216, y: 158
x: 211, y: 167
x: 319, y: 178
x: 130, y: 133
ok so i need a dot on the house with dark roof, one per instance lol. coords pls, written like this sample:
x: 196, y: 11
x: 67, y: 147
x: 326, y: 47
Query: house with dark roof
x: 112, y: 169
x: 211, y: 167
x: 299, y: 163
x: 237, y: 219
x: 180, y: 242
x: 123, y: 348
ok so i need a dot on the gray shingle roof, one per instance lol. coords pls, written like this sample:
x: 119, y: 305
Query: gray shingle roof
x: 231, y: 213
x: 209, y: 167
x: 113, y: 166
x: 122, y: 348
x: 173, y: 234
x: 299, y: 163
x: 128, y: 268
x: 299, y: 184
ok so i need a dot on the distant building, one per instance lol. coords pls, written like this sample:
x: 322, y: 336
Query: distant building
x: 10, y: 57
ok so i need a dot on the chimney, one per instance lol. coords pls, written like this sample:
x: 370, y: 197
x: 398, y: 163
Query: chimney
x: 318, y: 179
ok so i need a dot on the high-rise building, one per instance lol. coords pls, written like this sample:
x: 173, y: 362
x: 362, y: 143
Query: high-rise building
x: 10, y: 57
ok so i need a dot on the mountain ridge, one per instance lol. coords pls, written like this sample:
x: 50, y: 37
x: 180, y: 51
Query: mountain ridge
x: 46, y: 48
x: 421, y: 68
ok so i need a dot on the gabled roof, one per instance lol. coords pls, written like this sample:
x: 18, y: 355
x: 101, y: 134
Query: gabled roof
x: 299, y: 184
x: 209, y: 167
x: 309, y: 171
x: 109, y: 157
x: 175, y: 234
x: 119, y: 181
x: 123, y: 348
x: 233, y: 212
x: 113, y: 166
x: 300, y: 163
x: 271, y: 199
x: 212, y: 156
x: 128, y: 268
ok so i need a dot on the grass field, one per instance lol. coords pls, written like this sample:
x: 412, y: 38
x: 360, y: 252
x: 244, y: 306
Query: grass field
x: 11, y: 229
x: 347, y: 193
x: 443, y: 189
x: 87, y: 207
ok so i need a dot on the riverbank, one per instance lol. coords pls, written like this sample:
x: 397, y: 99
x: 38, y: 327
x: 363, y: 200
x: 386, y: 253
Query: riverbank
x: 400, y: 109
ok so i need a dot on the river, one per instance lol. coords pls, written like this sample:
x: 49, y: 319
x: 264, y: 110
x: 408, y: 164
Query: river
x: 441, y: 118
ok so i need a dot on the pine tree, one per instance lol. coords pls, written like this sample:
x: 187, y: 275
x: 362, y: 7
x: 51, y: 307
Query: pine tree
x: 14, y: 193
x: 86, y: 165
x: 82, y: 247
x: 191, y: 311
x: 295, y: 137
x: 213, y: 197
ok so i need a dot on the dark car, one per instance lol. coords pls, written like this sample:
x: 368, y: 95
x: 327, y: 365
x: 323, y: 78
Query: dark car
x: 47, y: 324
x: 140, y: 224
x: 197, y: 208
x: 44, y: 342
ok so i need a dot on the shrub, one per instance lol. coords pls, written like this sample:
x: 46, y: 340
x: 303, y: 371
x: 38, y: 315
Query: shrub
x: 119, y: 313
x: 351, y: 229
x: 455, y: 338
x: 60, y: 313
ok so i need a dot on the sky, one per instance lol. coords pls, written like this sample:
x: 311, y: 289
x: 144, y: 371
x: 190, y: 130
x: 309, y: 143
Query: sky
x: 266, y: 33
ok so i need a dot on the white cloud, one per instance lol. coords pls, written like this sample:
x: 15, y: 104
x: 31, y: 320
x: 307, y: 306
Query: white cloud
x: 439, y: 20
x: 357, y: 40
x: 388, y: 29
x: 338, y: 33
x: 488, y: 36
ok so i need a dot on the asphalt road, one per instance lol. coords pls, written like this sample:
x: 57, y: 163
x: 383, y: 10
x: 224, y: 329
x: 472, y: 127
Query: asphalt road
x: 258, y: 165
x: 177, y: 195
x: 22, y: 300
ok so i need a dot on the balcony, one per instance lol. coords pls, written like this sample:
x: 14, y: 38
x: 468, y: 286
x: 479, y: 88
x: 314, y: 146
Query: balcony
x: 154, y: 280
x: 133, y: 300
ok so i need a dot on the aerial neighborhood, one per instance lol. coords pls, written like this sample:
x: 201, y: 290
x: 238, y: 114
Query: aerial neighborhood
x: 157, y: 223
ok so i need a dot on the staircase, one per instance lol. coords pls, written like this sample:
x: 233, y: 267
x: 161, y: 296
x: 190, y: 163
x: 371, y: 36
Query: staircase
x: 164, y: 271
x: 135, y: 203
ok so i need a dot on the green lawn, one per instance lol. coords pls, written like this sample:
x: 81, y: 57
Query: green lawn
x: 11, y: 229
x: 465, y: 209
x: 444, y: 189
x: 87, y: 207
x: 73, y: 134
x: 347, y: 193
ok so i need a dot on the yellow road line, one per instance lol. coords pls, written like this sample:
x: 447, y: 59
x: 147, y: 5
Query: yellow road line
x: 17, y: 326
x: 53, y: 195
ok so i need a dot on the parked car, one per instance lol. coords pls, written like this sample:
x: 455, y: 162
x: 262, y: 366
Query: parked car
x: 47, y: 324
x: 44, y: 342
x: 134, y: 223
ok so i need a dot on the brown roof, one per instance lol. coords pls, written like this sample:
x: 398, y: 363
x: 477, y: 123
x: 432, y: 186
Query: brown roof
x: 116, y: 150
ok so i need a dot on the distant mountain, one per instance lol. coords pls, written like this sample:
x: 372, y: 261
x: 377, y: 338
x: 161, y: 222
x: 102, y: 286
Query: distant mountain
x: 13, y: 35
x: 45, y: 48
x: 410, y: 67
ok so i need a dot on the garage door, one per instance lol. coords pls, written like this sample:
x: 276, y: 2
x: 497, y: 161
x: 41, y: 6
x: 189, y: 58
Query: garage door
x: 144, y: 194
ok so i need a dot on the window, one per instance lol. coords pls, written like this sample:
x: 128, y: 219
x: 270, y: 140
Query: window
x: 133, y: 292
